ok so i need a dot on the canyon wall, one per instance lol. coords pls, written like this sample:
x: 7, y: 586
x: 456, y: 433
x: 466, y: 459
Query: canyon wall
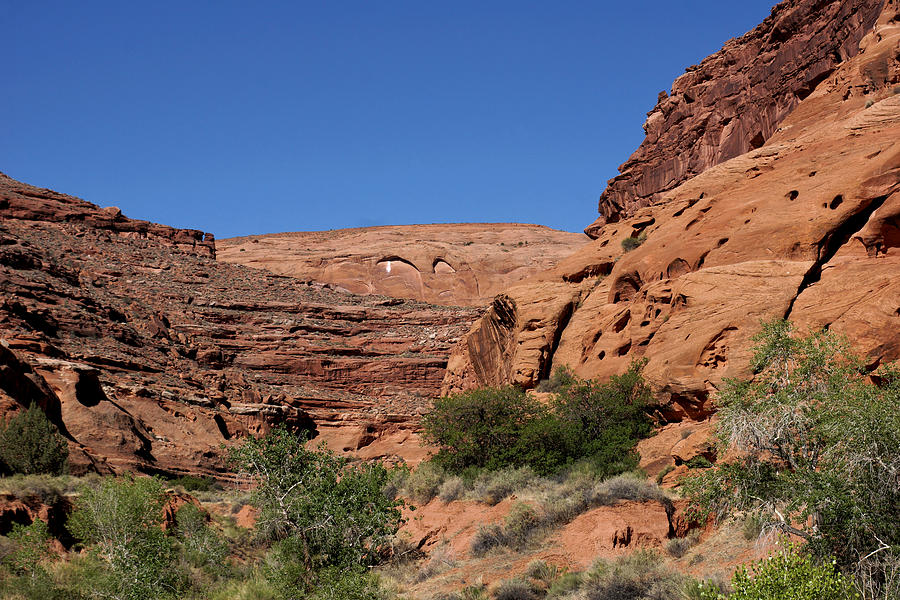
x: 805, y: 227
x: 148, y: 354
x: 458, y: 264
x: 735, y: 99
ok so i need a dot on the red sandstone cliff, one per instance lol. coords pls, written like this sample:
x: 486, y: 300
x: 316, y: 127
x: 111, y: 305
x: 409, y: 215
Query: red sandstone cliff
x: 806, y: 227
x: 734, y: 100
x: 149, y: 354
x: 460, y: 264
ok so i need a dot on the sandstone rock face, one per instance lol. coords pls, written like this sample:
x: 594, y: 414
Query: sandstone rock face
x: 805, y: 227
x: 735, y: 99
x: 464, y: 264
x: 149, y: 354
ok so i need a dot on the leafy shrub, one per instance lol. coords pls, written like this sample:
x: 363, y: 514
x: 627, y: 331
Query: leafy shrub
x: 324, y: 515
x: 192, y: 483
x: 698, y: 462
x: 495, y: 428
x: 31, y: 547
x: 816, y: 439
x: 662, y: 474
x: 564, y: 585
x: 201, y: 545
x: 120, y: 519
x: 630, y: 243
x: 789, y: 576
x: 30, y: 444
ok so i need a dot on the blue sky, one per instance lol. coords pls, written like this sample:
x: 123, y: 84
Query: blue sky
x: 241, y: 118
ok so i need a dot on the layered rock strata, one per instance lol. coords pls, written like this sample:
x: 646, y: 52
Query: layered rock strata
x: 806, y: 227
x: 149, y: 354
x: 735, y: 99
x: 462, y: 264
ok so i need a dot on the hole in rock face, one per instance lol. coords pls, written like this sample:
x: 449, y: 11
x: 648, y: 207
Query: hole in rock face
x: 792, y: 195
x: 812, y: 173
x: 623, y: 350
x: 721, y: 242
x: 757, y: 141
x: 394, y: 265
x: 677, y: 268
x: 838, y: 200
x: 602, y: 354
x: 442, y: 266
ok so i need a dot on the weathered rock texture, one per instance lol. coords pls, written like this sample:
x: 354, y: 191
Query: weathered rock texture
x: 149, y: 354
x: 735, y: 99
x: 464, y: 264
x: 805, y: 227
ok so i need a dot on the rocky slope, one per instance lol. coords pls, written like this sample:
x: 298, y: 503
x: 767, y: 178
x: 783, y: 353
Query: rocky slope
x: 463, y: 264
x: 735, y: 100
x: 807, y: 227
x: 149, y: 354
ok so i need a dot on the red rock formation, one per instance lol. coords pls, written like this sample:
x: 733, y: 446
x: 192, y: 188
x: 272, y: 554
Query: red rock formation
x: 149, y: 355
x: 735, y: 99
x: 804, y: 227
x: 461, y: 264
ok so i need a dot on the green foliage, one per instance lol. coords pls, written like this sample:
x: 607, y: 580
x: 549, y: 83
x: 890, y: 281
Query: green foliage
x: 630, y: 243
x: 638, y: 576
x: 201, y: 545
x: 818, y: 446
x: 698, y: 462
x: 494, y: 428
x: 320, y: 511
x: 30, y: 548
x: 30, y: 444
x: 788, y: 575
x: 120, y: 520
x: 192, y: 483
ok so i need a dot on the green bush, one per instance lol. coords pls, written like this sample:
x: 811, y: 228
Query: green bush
x: 495, y: 428
x: 119, y: 520
x: 31, y: 444
x: 786, y: 576
x: 323, y: 514
x: 630, y: 243
x: 816, y: 446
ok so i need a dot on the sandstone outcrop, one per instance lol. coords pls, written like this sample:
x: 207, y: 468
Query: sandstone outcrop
x: 804, y: 227
x: 735, y: 100
x: 463, y: 264
x: 149, y: 354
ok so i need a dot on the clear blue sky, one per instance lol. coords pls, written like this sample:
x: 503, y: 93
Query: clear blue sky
x: 254, y: 117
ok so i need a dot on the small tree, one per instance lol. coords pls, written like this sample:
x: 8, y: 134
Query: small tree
x: 320, y: 511
x: 120, y: 520
x: 31, y: 444
x: 817, y: 453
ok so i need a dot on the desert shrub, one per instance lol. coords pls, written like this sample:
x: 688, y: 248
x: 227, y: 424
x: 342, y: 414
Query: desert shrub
x: 201, y: 545
x: 565, y: 585
x: 496, y: 428
x: 698, y: 462
x: 520, y: 524
x: 638, y: 576
x: 323, y: 515
x: 662, y: 474
x: 630, y: 243
x: 492, y: 487
x: 192, y: 483
x: 451, y: 489
x: 561, y: 378
x: 543, y: 572
x: 30, y: 444
x: 492, y: 428
x: 678, y: 547
x: 440, y: 559
x: 816, y: 442
x: 627, y: 486
x: 751, y: 527
x: 119, y: 520
x: 424, y: 482
x: 30, y: 548
x: 516, y: 589
x: 790, y: 575
x: 486, y: 539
